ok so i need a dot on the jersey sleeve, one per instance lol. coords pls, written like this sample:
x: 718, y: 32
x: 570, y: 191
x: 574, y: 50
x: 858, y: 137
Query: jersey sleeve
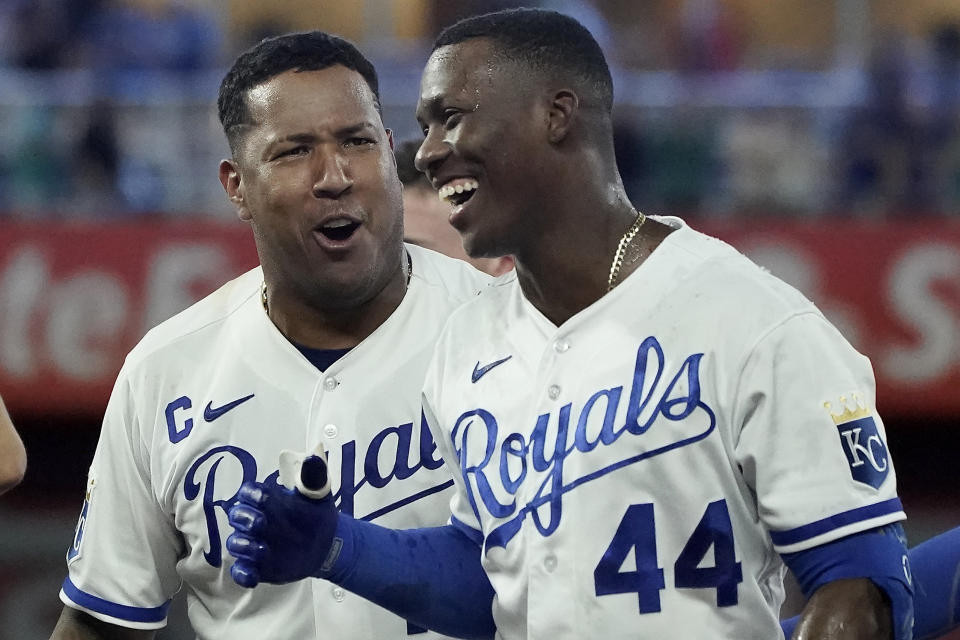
x: 122, y: 561
x: 463, y: 512
x: 811, y: 445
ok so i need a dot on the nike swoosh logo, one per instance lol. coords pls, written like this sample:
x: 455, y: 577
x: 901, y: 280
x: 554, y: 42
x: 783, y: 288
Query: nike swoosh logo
x: 479, y: 372
x: 210, y: 413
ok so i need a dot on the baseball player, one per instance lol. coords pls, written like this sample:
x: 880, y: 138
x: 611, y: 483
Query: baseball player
x: 328, y: 341
x: 644, y: 427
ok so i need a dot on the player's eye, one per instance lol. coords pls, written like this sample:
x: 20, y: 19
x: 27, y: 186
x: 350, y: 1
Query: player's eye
x: 298, y: 150
x: 451, y: 117
x: 359, y: 141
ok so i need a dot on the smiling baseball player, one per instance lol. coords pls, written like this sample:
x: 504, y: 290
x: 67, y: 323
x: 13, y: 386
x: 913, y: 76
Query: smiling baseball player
x: 327, y: 343
x: 645, y: 428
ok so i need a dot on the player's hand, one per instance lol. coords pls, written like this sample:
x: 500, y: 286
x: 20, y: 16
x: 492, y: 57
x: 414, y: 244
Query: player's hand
x: 281, y: 535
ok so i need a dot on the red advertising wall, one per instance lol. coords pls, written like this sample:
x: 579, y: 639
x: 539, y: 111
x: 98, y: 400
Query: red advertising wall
x: 75, y: 298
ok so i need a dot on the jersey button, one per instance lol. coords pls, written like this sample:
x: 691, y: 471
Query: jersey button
x: 330, y: 383
x: 338, y: 594
x: 553, y: 391
x: 561, y: 345
x: 330, y: 431
x: 550, y: 563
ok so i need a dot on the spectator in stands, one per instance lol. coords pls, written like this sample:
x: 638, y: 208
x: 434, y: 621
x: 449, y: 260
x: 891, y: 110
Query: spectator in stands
x: 945, y: 42
x: 96, y: 162
x: 708, y: 38
x: 13, y: 457
x: 38, y: 35
x: 944, y: 126
x: 881, y: 148
x: 35, y: 163
x: 43, y: 35
x: 152, y: 35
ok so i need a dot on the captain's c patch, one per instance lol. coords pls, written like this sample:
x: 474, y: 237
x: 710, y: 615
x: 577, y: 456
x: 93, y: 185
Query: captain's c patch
x: 73, y: 553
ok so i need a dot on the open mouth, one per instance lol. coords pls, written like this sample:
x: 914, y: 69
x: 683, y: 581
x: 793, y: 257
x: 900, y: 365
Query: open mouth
x: 458, y: 192
x: 339, y: 230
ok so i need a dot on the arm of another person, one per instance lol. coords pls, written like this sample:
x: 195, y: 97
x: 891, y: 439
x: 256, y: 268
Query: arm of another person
x: 13, y: 457
x: 79, y: 625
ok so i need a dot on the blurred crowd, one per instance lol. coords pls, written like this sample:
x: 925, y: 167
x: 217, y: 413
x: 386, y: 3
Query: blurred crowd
x: 106, y: 110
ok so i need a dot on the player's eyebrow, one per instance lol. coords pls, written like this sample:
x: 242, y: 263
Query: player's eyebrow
x: 427, y: 107
x: 360, y: 127
x: 296, y: 138
x: 305, y: 137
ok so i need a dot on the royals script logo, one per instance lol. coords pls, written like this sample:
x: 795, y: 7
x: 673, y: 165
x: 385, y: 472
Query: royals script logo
x: 663, y: 407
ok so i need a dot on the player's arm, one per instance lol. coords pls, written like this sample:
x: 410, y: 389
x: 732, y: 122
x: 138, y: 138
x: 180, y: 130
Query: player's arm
x: 432, y: 576
x: 857, y: 587
x: 934, y: 565
x: 13, y: 457
x: 851, y: 609
x: 122, y: 558
x: 79, y: 625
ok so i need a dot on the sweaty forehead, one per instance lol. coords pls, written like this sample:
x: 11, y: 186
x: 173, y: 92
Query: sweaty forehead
x: 462, y: 70
x: 334, y: 93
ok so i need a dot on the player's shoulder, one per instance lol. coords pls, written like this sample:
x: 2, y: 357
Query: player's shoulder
x: 491, y: 307
x: 449, y: 277
x: 714, y: 267
x: 204, y: 315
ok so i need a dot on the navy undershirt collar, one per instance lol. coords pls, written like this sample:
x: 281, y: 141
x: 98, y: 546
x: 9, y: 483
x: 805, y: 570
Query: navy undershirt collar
x: 321, y: 358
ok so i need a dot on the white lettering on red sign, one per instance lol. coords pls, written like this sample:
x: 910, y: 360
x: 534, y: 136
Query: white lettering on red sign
x: 936, y: 348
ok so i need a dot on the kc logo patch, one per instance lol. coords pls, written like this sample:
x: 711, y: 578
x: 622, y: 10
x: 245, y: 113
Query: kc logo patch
x: 74, y: 551
x: 865, y: 450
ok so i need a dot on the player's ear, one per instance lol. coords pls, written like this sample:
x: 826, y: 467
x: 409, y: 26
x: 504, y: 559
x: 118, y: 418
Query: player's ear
x: 393, y: 156
x: 561, y: 113
x: 232, y: 183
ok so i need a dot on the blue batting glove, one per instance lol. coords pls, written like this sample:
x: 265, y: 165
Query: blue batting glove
x: 280, y: 534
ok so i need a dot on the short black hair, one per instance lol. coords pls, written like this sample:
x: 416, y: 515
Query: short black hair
x: 544, y: 40
x: 303, y: 51
x: 409, y: 175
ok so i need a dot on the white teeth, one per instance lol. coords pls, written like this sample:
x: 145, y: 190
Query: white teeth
x: 448, y: 190
x: 336, y: 224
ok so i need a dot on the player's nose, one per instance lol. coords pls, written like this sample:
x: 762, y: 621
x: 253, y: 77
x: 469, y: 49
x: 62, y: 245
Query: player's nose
x: 332, y: 176
x: 433, y: 150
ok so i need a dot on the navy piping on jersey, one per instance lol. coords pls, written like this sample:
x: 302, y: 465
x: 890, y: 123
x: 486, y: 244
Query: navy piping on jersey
x: 807, y: 531
x: 321, y: 358
x: 400, y: 503
x: 120, y: 611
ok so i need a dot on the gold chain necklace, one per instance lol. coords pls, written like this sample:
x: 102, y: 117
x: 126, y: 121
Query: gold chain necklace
x: 263, y: 286
x: 625, y: 241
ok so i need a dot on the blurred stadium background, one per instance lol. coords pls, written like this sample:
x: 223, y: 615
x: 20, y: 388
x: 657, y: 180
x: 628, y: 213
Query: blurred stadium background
x: 820, y: 137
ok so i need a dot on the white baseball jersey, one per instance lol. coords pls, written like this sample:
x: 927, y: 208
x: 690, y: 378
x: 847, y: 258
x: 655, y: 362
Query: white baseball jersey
x: 207, y: 401
x: 634, y: 472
